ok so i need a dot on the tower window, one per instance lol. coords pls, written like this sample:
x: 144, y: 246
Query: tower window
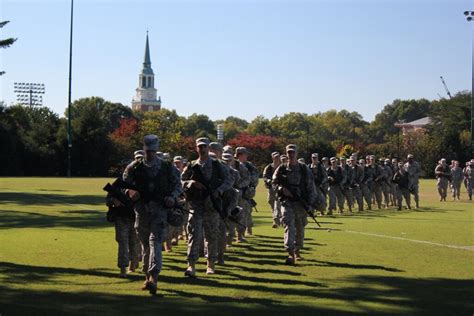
x: 149, y: 82
x: 143, y: 82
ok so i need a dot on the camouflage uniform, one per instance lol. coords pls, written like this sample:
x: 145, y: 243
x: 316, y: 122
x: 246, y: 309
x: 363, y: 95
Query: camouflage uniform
x: 386, y: 183
x: 272, y: 199
x: 443, y: 175
x: 334, y: 192
x: 204, y: 219
x: 376, y: 189
x: 366, y: 185
x: 346, y: 183
x: 242, y: 184
x: 456, y: 181
x: 249, y: 193
x: 156, y: 179
x: 296, y: 178
x: 358, y: 172
x: 402, y: 181
x: 320, y: 181
x: 468, y: 179
x: 414, y: 171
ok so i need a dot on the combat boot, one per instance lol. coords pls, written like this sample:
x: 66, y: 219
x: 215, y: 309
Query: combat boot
x: 210, y: 267
x: 190, y: 271
x: 290, y: 260
x: 123, y: 273
x: 249, y: 231
x: 298, y: 256
x: 152, y: 285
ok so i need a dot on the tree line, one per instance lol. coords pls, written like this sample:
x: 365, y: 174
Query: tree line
x: 105, y: 134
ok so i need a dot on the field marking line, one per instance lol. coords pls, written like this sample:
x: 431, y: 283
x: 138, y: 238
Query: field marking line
x: 471, y: 248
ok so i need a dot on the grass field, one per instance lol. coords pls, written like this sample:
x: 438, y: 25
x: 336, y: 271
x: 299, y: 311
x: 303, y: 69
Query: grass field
x: 58, y: 255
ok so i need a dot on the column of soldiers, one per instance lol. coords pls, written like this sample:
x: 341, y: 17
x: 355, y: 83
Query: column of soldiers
x: 342, y: 183
x: 453, y: 176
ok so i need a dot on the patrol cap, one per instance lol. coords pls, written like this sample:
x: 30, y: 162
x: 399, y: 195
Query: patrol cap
x: 410, y: 156
x: 301, y: 160
x: 332, y: 159
x: 361, y: 161
x: 275, y: 154
x: 213, y: 155
x: 159, y: 154
x: 138, y: 154
x: 342, y: 158
x: 166, y: 156
x: 177, y: 158
x: 227, y: 157
x: 325, y: 159
x: 228, y: 149
x: 202, y: 141
x: 215, y: 146
x: 372, y: 157
x: 241, y: 151
x: 351, y: 159
x: 151, y: 142
x: 314, y: 155
x: 387, y: 160
x: 283, y: 156
x: 443, y: 160
x: 291, y: 147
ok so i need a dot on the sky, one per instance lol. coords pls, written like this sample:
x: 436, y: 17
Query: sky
x: 242, y: 58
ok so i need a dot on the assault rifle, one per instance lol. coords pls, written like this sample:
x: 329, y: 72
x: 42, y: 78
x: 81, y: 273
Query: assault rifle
x: 307, y: 207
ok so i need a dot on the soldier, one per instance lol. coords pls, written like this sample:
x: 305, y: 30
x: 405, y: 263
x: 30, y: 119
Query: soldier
x: 402, y: 181
x: 242, y: 183
x: 334, y: 173
x: 204, y: 180
x: 456, y: 180
x: 366, y: 183
x: 358, y: 173
x: 294, y: 184
x: 443, y: 175
x: 320, y: 181
x: 248, y: 193
x: 272, y: 199
x: 284, y: 158
x: 346, y: 183
x: 413, y: 169
x: 468, y: 178
x: 158, y: 186
x: 387, y: 181
x: 179, y: 163
x: 378, y: 177
x: 123, y: 216
x: 393, y: 185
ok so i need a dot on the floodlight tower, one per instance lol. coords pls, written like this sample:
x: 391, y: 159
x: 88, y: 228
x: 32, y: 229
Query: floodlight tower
x: 28, y: 93
x: 470, y: 17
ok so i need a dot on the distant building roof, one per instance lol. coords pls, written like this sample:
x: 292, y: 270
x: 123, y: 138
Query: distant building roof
x: 420, y: 122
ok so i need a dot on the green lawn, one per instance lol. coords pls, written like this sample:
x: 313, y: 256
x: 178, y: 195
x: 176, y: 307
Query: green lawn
x: 58, y: 255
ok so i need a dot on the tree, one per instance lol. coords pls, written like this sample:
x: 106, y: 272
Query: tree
x: 5, y: 43
x: 198, y: 125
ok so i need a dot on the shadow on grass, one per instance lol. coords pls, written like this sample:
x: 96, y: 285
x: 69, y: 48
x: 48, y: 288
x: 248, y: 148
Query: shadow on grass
x: 381, y: 295
x: 49, y: 199
x: 83, y: 219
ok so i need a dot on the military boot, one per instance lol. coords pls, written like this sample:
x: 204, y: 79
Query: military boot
x: 298, y: 256
x: 210, y: 267
x: 190, y: 271
x: 290, y: 260
x: 123, y: 273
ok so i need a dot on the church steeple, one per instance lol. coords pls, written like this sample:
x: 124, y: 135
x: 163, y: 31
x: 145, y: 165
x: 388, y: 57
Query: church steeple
x: 145, y: 98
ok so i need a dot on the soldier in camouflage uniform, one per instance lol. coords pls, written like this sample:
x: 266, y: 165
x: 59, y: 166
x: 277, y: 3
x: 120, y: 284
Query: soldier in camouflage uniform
x: 157, y: 187
x: 125, y: 234
x: 295, y: 186
x: 402, y: 181
x: 393, y: 185
x: 346, y: 183
x: 204, y: 180
x: 468, y: 173
x: 284, y: 158
x: 456, y: 180
x: 248, y: 193
x: 377, y: 176
x: 336, y: 198
x: 320, y: 181
x: 387, y: 181
x: 443, y: 176
x: 413, y: 169
x: 366, y: 183
x: 358, y: 173
x: 272, y: 199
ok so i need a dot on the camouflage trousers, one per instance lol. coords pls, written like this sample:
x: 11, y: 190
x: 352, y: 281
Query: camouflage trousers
x: 442, y: 185
x: 202, y: 223
x: 414, y: 190
x: 357, y: 194
x: 393, y: 193
x: 377, y: 193
x: 294, y: 221
x: 456, y: 189
x: 468, y: 185
x: 245, y: 217
x: 128, y: 244
x: 347, y: 193
x: 403, y: 193
x: 335, y: 197
x: 275, y: 206
x: 150, y: 224
x: 386, y: 193
x: 365, y: 190
x: 321, y: 204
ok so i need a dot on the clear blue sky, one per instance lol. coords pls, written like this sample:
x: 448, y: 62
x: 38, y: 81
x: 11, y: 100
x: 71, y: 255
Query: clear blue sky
x: 242, y: 58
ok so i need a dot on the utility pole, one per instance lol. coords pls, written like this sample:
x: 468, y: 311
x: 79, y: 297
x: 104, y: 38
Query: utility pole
x: 69, y: 136
x: 470, y: 17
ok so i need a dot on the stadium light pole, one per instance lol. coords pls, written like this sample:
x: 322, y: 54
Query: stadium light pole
x: 470, y: 17
x: 28, y: 93
x: 69, y: 136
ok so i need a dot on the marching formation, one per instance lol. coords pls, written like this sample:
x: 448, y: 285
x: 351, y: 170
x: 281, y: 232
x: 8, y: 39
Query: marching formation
x: 208, y: 202
x: 453, y: 176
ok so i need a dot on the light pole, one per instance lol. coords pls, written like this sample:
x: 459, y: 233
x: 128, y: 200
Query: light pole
x: 69, y: 136
x: 470, y: 17
x: 220, y: 133
x: 28, y: 93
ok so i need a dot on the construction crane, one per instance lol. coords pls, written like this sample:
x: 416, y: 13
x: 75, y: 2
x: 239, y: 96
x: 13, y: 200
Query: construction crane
x: 446, y: 87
